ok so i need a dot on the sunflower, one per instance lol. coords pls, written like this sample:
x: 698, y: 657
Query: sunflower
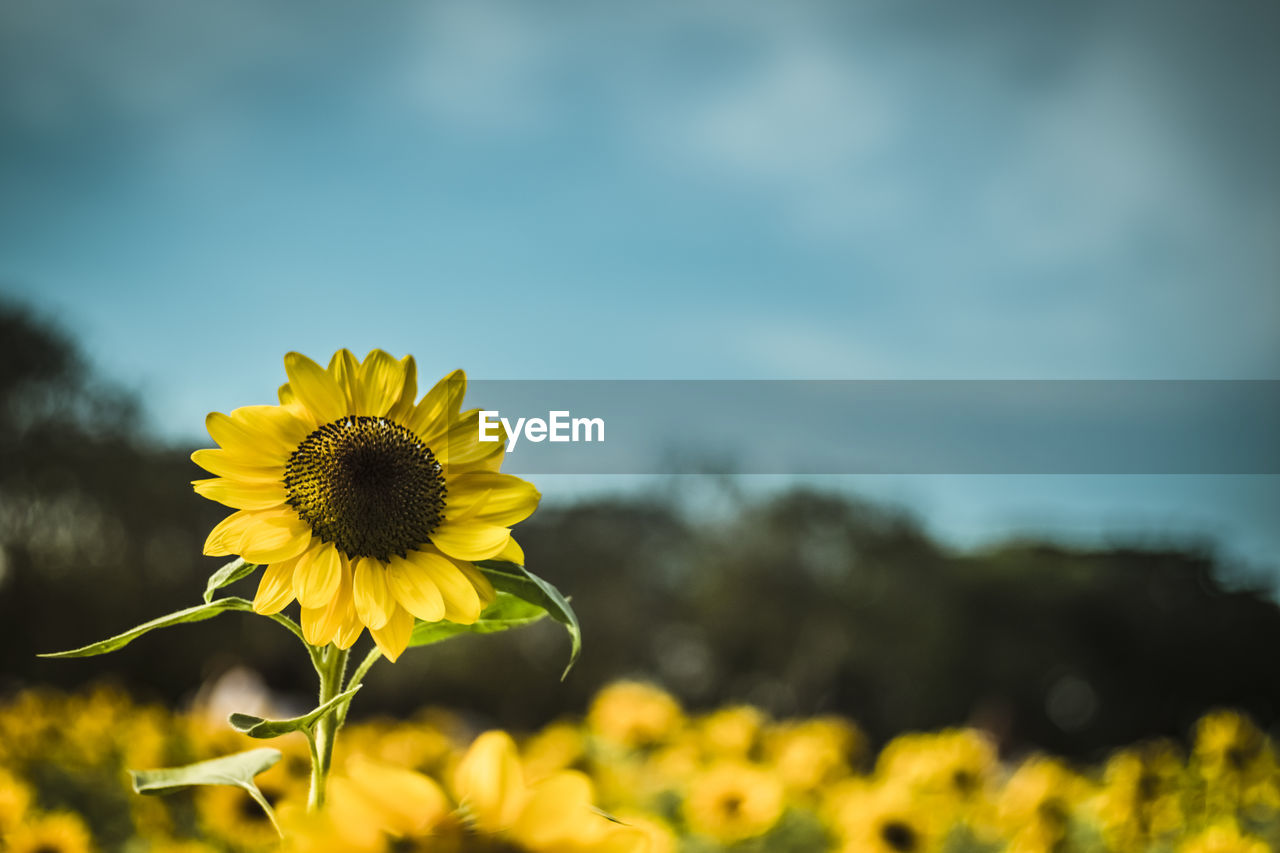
x: 1038, y: 805
x: 60, y: 832
x: 367, y: 507
x: 883, y: 817
x: 1142, y: 797
x: 15, y: 799
x: 732, y: 801
x: 554, y: 815
x: 1223, y: 838
x: 634, y: 715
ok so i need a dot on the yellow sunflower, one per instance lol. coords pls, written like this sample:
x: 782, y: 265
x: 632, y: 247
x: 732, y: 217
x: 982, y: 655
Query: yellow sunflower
x: 732, y: 801
x: 15, y: 800
x: 60, y: 832
x: 366, y: 505
x: 884, y: 817
x: 1223, y: 838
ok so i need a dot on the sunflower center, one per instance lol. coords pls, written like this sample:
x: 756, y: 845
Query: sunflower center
x: 899, y: 836
x: 367, y: 485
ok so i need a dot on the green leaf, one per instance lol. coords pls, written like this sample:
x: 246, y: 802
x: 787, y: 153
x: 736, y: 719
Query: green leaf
x: 227, y: 575
x: 237, y: 770
x: 260, y: 728
x: 199, y: 613
x: 524, y: 584
x: 507, y: 611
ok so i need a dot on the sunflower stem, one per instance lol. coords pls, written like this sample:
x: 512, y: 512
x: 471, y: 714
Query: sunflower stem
x: 333, y: 666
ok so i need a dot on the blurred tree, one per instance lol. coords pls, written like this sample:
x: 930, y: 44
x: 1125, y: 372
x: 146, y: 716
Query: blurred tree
x: 800, y: 602
x: 99, y: 529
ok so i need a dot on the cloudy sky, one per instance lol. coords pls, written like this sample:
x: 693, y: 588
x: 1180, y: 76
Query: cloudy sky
x: 696, y: 189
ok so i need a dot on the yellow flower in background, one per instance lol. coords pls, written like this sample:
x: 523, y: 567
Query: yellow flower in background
x: 402, y: 787
x: 731, y: 732
x: 368, y: 804
x: 807, y: 754
x: 365, y: 505
x: 1038, y: 803
x: 555, y: 815
x: 1228, y: 745
x: 53, y: 833
x: 634, y: 714
x: 1237, y: 765
x: 883, y: 818
x: 489, y: 782
x: 1224, y: 838
x: 418, y: 746
x: 559, y: 746
x: 1141, y: 798
x: 954, y: 770
x: 732, y: 801
x: 185, y: 846
x: 661, y: 837
x: 15, y: 799
x: 381, y: 797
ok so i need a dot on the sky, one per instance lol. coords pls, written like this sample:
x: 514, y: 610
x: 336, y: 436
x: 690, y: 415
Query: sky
x: 706, y: 189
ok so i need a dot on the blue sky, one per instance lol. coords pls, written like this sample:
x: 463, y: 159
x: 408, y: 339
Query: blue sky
x: 669, y: 190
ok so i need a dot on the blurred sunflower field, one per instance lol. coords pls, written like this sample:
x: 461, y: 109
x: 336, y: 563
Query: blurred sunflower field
x: 638, y: 773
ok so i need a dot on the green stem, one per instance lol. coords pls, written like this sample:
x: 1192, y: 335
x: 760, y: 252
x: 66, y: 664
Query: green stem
x: 332, y: 668
x: 357, y: 678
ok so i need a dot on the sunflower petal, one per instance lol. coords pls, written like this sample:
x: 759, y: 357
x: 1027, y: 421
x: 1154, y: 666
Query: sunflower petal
x: 277, y: 427
x: 241, y: 495
x: 290, y: 401
x: 412, y: 802
x: 415, y: 590
x: 439, y: 405
x: 316, y: 388
x: 226, y: 535
x: 461, y: 601
x: 492, y: 498
x: 400, y: 411
x: 275, y: 589
x: 222, y: 463
x: 317, y: 576
x: 317, y: 628
x: 484, y: 587
x: 278, y: 538
x: 513, y: 553
x: 320, y: 625
x: 237, y: 437
x: 480, y: 461
x: 459, y: 443
x: 468, y: 540
x: 349, y: 631
x: 380, y: 381
x: 356, y: 822
x: 489, y: 782
x: 343, y: 367
x: 393, y: 637
x: 555, y: 811
x: 374, y: 603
